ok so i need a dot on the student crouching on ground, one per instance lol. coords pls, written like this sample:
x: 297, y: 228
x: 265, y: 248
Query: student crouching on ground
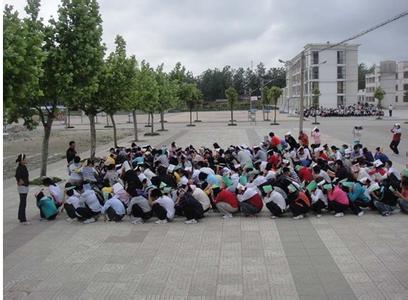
x: 226, y: 202
x: 48, y: 209
x: 274, y: 201
x: 299, y: 203
x: 162, y: 206
x: 113, y: 209
x: 92, y: 207
x: 250, y: 202
x: 139, y: 209
x: 54, y: 191
x: 338, y: 200
x: 72, y: 203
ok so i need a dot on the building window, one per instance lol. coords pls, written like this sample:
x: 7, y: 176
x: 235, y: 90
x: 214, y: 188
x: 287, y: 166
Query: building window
x: 396, y: 98
x: 315, y: 85
x: 340, y: 57
x: 340, y: 87
x: 396, y: 87
x: 315, y: 73
x: 396, y: 75
x: 340, y: 72
x: 405, y: 87
x: 406, y: 74
x: 315, y: 57
x: 340, y: 100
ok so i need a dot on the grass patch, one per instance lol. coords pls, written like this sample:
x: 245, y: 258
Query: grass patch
x: 38, y: 180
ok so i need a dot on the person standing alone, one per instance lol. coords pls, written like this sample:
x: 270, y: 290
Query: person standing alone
x: 396, y: 138
x: 22, y: 187
x: 390, y: 108
x: 71, y: 153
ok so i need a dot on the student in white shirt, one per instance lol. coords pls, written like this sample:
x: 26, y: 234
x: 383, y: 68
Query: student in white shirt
x: 54, y: 191
x: 162, y: 206
x: 274, y: 201
x: 139, y: 209
x: 72, y: 203
x: 114, y: 209
x: 75, y: 176
x: 319, y: 199
x: 92, y: 206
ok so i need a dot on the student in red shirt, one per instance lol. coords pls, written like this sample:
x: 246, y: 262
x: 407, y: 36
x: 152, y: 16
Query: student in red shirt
x: 274, y: 160
x: 275, y: 140
x: 396, y: 138
x: 226, y: 202
x: 304, y: 173
x: 250, y: 202
x: 303, y: 139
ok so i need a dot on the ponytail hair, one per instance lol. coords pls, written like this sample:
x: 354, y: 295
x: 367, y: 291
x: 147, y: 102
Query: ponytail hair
x: 20, y: 157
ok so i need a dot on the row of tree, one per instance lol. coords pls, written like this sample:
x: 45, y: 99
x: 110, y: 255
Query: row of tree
x: 214, y: 82
x: 63, y: 62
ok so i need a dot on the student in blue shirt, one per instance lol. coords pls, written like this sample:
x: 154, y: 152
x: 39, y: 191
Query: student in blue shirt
x: 48, y: 209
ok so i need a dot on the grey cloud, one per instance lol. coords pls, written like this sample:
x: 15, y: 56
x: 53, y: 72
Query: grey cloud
x: 214, y: 33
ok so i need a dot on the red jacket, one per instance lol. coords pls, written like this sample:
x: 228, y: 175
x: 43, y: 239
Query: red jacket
x: 305, y: 174
x: 256, y: 201
x: 228, y: 197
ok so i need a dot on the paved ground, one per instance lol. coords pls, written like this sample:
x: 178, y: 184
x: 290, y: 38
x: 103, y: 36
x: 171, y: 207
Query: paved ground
x: 241, y: 258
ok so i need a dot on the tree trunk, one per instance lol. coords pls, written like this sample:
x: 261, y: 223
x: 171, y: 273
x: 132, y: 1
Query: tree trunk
x: 274, y: 115
x: 162, y: 120
x: 135, y: 125
x: 148, y: 120
x: 44, y: 151
x: 93, y: 135
x: 115, y: 136
x: 191, y: 116
x: 152, y: 124
x: 232, y: 115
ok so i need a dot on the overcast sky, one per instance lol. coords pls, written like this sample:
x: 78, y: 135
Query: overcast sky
x: 215, y: 33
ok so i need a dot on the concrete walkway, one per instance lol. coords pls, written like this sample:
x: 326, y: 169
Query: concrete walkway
x: 241, y: 258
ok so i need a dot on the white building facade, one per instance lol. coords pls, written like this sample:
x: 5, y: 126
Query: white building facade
x: 392, y: 77
x: 334, y: 72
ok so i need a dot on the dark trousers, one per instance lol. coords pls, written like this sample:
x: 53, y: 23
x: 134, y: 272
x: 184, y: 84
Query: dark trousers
x: 86, y: 212
x: 22, y: 208
x: 356, y: 206
x: 137, y: 212
x: 337, y: 207
x: 390, y: 112
x: 70, y: 209
x: 274, y: 209
x: 113, y: 216
x: 394, y: 146
x: 159, y: 211
x: 318, y: 206
x: 297, y: 209
x: 248, y: 209
x: 192, y: 212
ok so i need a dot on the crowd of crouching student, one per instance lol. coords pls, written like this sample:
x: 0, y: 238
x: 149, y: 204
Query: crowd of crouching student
x: 285, y: 177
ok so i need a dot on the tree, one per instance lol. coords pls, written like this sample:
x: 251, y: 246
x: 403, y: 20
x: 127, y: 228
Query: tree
x: 363, y: 70
x: 379, y: 94
x: 316, y: 95
x: 274, y: 93
x: 116, y: 82
x: 147, y: 92
x: 232, y: 97
x: 42, y: 84
x: 190, y: 94
x: 79, y: 34
x: 22, y: 62
x: 168, y: 93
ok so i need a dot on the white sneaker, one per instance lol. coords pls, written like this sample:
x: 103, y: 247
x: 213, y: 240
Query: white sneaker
x: 161, y: 221
x: 191, y: 221
x: 69, y: 220
x: 318, y: 216
x: 229, y: 216
x: 137, y: 221
x: 25, y: 223
x: 298, y: 217
x: 339, y: 215
x: 89, y: 221
x: 273, y: 217
x: 360, y: 213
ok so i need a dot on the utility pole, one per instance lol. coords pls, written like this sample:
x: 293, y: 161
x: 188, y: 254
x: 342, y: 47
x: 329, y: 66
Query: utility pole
x: 262, y: 97
x: 302, y: 83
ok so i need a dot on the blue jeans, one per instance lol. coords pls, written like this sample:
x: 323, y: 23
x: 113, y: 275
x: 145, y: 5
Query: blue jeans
x: 383, y: 208
x: 403, y: 204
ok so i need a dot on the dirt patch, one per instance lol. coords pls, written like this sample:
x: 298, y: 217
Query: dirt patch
x: 30, y: 143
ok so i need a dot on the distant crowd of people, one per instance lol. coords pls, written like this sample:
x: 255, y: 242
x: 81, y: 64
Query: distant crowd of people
x: 285, y: 175
x: 355, y: 110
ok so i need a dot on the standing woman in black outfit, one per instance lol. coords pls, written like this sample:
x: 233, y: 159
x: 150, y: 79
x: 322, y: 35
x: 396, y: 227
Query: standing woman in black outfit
x: 22, y: 187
